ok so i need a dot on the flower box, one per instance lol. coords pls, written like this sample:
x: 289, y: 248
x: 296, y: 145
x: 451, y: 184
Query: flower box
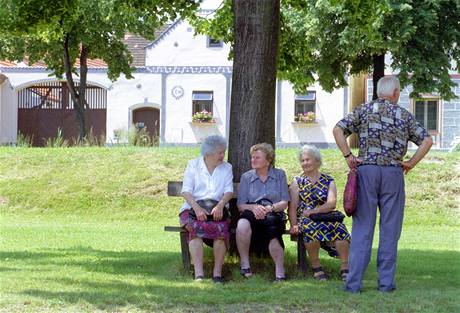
x: 306, y: 118
x: 203, y: 117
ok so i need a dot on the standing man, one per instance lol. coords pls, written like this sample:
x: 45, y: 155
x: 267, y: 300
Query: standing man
x: 384, y: 129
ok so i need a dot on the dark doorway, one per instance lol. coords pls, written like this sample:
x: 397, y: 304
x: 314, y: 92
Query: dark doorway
x: 149, y: 118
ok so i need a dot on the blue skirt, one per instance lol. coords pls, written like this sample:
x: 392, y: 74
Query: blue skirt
x: 322, y: 231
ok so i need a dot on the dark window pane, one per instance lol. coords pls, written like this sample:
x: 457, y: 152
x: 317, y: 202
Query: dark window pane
x: 199, y: 106
x: 302, y: 106
x: 420, y: 112
x: 214, y: 42
x: 432, y: 118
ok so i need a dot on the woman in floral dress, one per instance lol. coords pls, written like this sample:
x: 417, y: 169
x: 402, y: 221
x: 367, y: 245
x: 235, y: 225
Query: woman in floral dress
x: 314, y: 192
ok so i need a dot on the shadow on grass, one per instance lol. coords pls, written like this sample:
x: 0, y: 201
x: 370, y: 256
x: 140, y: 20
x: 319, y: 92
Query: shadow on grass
x: 146, y: 263
x: 154, y: 280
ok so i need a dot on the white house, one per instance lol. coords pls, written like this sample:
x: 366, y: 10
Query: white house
x: 177, y: 75
x: 180, y: 73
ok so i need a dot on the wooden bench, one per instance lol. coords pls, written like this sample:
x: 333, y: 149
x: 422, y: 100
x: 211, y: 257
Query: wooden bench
x: 174, y: 190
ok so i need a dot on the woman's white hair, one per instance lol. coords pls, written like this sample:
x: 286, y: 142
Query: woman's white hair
x: 312, y: 151
x: 212, y: 143
x: 387, y: 85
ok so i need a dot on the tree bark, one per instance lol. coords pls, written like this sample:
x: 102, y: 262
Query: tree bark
x: 252, y: 114
x: 78, y: 98
x: 82, y: 91
x: 379, y: 72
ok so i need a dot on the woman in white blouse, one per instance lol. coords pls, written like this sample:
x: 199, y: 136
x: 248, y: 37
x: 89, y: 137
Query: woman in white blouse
x: 208, y: 177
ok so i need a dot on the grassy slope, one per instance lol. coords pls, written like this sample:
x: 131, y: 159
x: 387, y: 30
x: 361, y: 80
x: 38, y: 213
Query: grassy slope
x: 81, y: 229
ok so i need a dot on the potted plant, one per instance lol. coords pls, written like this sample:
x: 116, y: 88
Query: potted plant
x: 203, y: 117
x: 308, y: 118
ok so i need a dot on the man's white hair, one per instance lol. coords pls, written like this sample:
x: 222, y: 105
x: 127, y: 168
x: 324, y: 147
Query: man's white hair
x: 387, y: 85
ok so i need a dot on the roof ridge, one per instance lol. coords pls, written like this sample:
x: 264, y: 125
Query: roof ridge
x: 163, y: 34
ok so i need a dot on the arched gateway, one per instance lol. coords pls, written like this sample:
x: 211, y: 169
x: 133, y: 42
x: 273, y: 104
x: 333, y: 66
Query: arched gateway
x: 45, y: 108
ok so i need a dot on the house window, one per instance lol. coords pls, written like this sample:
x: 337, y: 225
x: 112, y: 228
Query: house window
x: 214, y: 43
x: 202, y: 101
x: 426, y: 113
x: 305, y: 103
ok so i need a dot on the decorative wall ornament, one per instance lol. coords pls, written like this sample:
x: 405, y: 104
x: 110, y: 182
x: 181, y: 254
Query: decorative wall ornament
x: 185, y: 69
x: 140, y: 69
x: 177, y: 92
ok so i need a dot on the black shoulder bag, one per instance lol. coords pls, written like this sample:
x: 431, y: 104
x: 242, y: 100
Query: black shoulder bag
x: 270, y: 215
x: 332, y: 217
x: 208, y: 205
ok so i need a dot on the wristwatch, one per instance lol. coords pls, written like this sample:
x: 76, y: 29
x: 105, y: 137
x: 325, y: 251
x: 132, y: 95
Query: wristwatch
x: 346, y: 156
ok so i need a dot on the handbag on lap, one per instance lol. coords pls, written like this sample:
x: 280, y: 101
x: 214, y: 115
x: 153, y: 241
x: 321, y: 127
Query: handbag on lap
x: 208, y: 205
x: 270, y: 215
x: 333, y: 216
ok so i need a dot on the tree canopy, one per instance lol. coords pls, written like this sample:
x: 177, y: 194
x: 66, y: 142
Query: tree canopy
x: 60, y: 32
x: 324, y: 40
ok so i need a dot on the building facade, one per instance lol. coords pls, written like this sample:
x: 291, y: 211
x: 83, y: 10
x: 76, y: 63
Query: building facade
x: 181, y: 74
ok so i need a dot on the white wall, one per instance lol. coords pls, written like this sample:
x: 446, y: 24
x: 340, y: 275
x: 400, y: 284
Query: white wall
x: 179, y: 126
x: 180, y: 47
x: 124, y: 94
x: 329, y: 110
x: 8, y: 113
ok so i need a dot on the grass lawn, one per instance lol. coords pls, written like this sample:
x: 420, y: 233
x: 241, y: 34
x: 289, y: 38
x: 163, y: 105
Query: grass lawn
x: 81, y: 230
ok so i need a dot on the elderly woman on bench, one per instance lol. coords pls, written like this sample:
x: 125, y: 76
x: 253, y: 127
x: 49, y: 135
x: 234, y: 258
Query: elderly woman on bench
x: 207, y: 187
x: 314, y: 192
x: 262, y: 198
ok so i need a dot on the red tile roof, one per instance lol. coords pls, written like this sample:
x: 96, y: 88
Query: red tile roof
x: 7, y: 64
x: 136, y: 45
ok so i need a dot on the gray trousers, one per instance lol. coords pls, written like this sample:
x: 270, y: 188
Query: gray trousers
x: 382, y: 187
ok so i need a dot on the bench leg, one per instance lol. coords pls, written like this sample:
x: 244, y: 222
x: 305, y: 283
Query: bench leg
x: 185, y: 251
x: 232, y: 249
x: 301, y: 256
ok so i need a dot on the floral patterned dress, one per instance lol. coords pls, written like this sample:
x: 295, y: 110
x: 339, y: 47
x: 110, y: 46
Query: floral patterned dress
x: 311, y: 195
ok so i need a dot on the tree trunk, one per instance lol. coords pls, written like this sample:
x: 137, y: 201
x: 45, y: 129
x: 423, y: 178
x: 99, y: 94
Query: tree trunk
x: 78, y: 98
x: 379, y: 72
x: 82, y: 91
x: 252, y: 114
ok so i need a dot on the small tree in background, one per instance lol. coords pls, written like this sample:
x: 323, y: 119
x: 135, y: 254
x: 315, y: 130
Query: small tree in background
x: 65, y: 34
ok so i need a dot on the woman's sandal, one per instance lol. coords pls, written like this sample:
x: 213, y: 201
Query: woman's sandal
x: 344, y: 274
x: 218, y: 279
x: 279, y: 279
x: 320, y: 277
x: 245, y: 272
x: 199, y: 278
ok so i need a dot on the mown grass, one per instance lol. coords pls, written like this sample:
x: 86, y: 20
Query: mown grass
x: 82, y: 231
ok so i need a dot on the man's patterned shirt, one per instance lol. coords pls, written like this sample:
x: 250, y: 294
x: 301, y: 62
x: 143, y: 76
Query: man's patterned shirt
x: 384, y: 129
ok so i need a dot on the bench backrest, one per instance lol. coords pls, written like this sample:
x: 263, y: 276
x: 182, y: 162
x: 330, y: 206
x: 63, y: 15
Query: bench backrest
x: 175, y: 187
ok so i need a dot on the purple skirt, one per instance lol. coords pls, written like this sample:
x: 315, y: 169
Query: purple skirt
x: 205, y: 230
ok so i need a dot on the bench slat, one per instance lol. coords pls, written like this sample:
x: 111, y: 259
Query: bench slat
x: 174, y: 228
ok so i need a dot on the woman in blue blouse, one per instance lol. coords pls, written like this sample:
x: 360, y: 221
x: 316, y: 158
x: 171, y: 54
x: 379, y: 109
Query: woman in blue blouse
x: 262, y: 198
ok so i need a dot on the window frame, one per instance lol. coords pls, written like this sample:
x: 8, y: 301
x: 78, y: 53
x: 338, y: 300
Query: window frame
x: 425, y: 100
x: 302, y: 99
x: 214, y: 43
x: 203, y: 102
